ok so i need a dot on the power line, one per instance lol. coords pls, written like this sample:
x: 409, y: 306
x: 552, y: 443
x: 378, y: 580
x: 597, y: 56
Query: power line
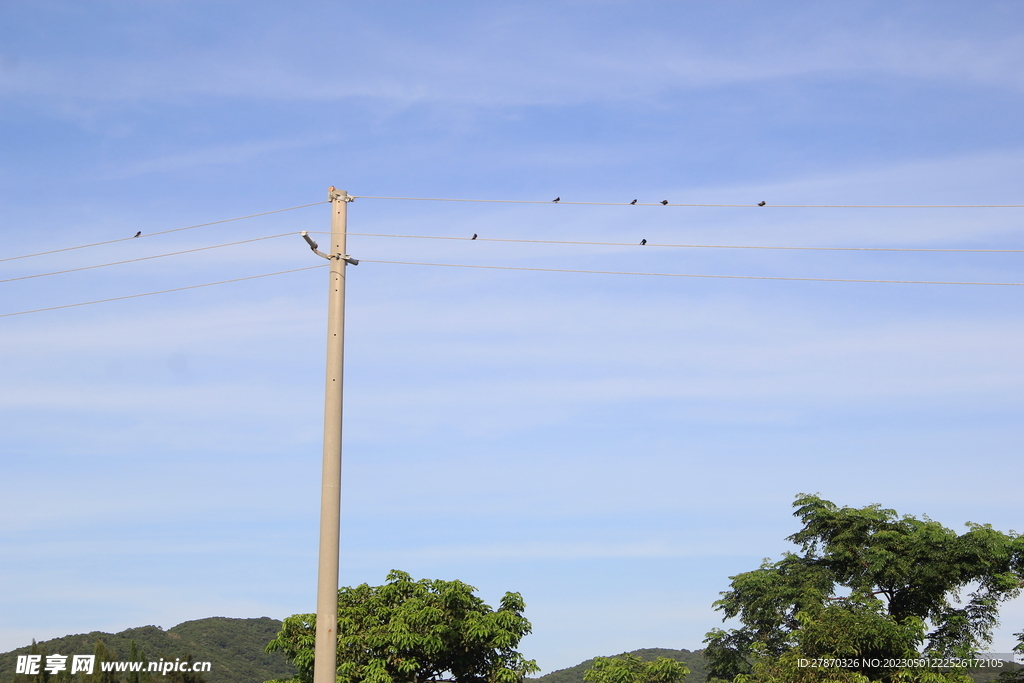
x: 163, y: 291
x: 162, y: 232
x: 686, y: 246
x: 518, y: 201
x: 723, y: 277
x: 744, y: 206
x: 144, y: 258
x: 522, y: 201
x: 544, y: 270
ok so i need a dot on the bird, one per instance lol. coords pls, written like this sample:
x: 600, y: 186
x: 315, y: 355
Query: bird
x: 138, y: 234
x: 643, y: 242
x: 473, y: 237
x: 664, y: 202
x: 557, y: 199
x: 761, y: 203
x: 632, y: 202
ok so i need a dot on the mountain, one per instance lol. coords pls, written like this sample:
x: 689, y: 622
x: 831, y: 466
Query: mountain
x: 236, y: 649
x: 698, y: 667
x: 233, y: 646
x: 694, y: 660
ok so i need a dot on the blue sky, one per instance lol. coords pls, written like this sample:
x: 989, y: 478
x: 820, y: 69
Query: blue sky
x: 613, y: 447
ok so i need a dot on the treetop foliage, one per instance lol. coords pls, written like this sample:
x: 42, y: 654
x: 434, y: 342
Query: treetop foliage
x: 869, y: 583
x: 409, y: 631
x: 629, y: 668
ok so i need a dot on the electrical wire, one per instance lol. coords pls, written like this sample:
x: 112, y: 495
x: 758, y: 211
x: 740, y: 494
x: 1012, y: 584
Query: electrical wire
x: 686, y: 246
x: 162, y: 232
x: 518, y: 201
x: 145, y: 258
x: 164, y: 291
x: 723, y: 277
x: 745, y: 206
x: 524, y: 268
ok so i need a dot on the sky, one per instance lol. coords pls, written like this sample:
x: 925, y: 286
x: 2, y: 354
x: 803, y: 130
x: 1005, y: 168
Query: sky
x: 613, y: 447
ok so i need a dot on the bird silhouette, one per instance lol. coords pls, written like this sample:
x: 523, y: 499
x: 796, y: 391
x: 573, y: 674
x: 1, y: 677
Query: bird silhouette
x: 664, y: 202
x: 632, y: 202
x: 473, y: 237
x: 643, y: 242
x: 761, y: 203
x: 557, y: 199
x: 139, y: 233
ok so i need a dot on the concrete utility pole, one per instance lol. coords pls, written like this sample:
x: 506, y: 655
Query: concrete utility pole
x: 330, y: 497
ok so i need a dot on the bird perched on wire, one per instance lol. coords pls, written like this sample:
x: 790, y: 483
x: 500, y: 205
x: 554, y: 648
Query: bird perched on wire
x: 473, y: 237
x: 138, y: 234
x: 643, y: 242
x: 762, y: 203
x: 556, y: 200
x: 632, y: 202
x: 664, y: 202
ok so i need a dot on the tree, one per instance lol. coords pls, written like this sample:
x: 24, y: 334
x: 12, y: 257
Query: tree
x: 1017, y: 675
x: 408, y: 631
x: 103, y: 654
x: 137, y: 655
x: 36, y: 650
x: 867, y: 584
x: 186, y: 676
x: 629, y: 668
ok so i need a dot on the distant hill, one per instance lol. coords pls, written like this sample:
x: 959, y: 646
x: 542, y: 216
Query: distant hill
x: 236, y: 649
x: 234, y: 646
x: 694, y: 660
x: 698, y: 667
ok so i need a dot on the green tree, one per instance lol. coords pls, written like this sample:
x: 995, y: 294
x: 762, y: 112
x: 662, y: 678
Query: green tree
x: 137, y: 655
x: 35, y: 650
x: 866, y: 584
x: 629, y: 668
x: 186, y: 676
x: 42, y: 676
x: 1017, y: 675
x: 408, y: 631
x: 102, y: 654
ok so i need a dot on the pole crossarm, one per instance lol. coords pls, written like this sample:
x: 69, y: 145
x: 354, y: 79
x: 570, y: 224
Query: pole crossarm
x: 316, y: 250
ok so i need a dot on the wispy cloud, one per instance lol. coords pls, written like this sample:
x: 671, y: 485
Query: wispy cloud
x: 494, y: 59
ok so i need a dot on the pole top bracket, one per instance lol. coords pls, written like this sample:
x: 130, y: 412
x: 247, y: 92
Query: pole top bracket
x: 336, y: 195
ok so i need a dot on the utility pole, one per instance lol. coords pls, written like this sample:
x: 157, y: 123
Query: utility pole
x: 330, y: 498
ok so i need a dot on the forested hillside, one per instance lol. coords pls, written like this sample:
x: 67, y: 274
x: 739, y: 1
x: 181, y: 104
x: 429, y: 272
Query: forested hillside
x: 234, y: 646
x: 236, y: 649
x: 694, y: 660
x: 698, y: 667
